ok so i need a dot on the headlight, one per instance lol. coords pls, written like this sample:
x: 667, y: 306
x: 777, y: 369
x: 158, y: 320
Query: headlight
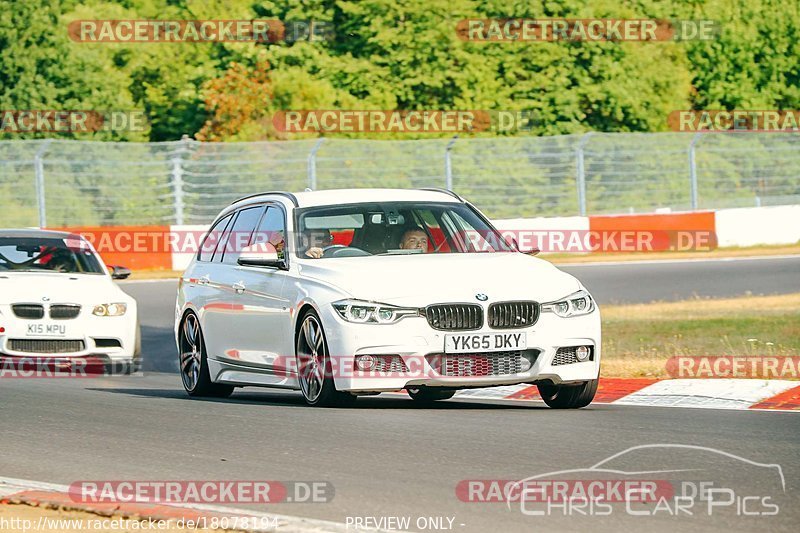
x: 372, y: 313
x: 577, y: 304
x: 110, y: 309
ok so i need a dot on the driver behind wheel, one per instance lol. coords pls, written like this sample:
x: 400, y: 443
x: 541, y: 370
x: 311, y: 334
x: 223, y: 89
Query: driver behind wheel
x: 318, y: 240
x: 414, y: 238
x: 61, y: 260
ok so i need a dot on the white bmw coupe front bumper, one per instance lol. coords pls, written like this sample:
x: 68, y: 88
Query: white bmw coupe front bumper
x: 85, y: 337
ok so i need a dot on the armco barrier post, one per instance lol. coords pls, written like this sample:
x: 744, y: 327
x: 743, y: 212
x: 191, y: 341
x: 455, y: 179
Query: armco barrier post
x: 448, y: 164
x: 693, y: 170
x: 312, y: 164
x: 581, y: 175
x: 38, y: 166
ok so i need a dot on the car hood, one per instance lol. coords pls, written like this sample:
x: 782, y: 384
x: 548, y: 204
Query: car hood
x: 419, y: 280
x: 84, y: 289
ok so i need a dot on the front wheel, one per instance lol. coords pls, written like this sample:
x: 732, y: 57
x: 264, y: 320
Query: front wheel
x: 194, y: 363
x: 568, y: 396
x: 314, y: 368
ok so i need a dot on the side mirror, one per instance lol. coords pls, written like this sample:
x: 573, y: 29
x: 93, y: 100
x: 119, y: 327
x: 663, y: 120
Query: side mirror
x: 119, y: 272
x: 261, y: 254
x: 531, y: 251
x: 511, y: 241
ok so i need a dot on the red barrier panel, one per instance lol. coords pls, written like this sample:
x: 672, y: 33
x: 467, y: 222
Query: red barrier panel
x: 135, y: 247
x: 671, y: 231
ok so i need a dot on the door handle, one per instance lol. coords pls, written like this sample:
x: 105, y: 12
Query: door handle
x: 203, y: 281
x: 238, y: 287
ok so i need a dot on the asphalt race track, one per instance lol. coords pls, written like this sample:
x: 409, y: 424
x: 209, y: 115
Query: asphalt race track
x: 384, y: 457
x: 648, y: 281
x: 387, y: 457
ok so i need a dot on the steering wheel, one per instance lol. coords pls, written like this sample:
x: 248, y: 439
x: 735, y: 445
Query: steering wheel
x: 340, y: 250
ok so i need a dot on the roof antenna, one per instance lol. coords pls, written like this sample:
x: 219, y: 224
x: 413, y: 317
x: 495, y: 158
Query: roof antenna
x: 308, y: 189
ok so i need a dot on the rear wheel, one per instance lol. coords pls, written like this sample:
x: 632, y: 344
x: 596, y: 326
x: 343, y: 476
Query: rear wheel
x: 314, y: 369
x: 194, y: 363
x: 568, y: 396
x: 427, y: 395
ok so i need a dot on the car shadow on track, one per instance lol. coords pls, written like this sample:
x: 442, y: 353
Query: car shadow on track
x: 158, y: 350
x: 294, y: 399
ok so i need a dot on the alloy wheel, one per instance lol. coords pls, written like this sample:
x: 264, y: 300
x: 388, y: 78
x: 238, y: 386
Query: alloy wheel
x: 191, y: 352
x: 311, y: 358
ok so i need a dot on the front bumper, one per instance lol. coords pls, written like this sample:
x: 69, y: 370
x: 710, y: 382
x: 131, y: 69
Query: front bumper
x: 111, y: 338
x: 415, y: 341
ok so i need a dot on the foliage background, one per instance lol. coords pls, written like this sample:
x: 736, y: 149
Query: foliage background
x: 396, y: 54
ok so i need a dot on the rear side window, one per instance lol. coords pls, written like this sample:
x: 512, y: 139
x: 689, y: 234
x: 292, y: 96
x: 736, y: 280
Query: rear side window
x: 212, y: 239
x: 240, y: 233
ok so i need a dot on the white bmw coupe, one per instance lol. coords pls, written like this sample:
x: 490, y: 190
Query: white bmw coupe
x: 59, y: 305
x: 344, y: 293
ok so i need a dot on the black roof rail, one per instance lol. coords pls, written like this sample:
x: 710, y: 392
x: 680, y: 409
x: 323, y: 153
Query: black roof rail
x: 288, y: 195
x: 445, y: 191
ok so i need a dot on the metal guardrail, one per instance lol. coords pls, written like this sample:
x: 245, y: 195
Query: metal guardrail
x: 60, y: 183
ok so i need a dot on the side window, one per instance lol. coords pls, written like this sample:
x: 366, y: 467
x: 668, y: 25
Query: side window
x: 212, y: 239
x: 471, y: 239
x: 272, y: 230
x: 240, y: 233
x: 222, y: 241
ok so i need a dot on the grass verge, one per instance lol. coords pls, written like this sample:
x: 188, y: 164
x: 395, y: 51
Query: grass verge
x: 638, y: 340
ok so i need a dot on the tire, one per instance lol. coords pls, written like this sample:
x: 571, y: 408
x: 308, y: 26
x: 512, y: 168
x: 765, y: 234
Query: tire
x: 193, y: 363
x: 425, y: 395
x: 568, y: 396
x: 314, y: 368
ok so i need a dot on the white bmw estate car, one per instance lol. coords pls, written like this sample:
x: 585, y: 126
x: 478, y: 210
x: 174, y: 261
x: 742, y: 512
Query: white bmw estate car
x: 58, y: 303
x: 344, y: 293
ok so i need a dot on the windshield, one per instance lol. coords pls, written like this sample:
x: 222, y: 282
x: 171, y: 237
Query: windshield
x: 394, y: 228
x: 34, y: 254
